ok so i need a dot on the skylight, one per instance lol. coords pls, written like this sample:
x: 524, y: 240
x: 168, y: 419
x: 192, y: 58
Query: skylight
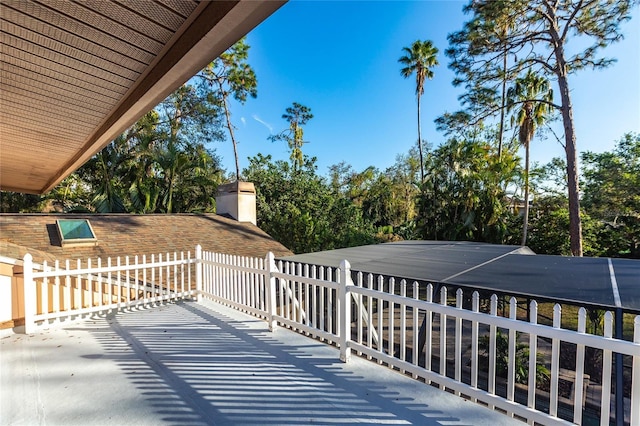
x: 76, y: 232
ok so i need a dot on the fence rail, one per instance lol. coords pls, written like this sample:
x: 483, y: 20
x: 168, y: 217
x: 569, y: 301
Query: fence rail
x: 540, y: 373
x: 67, y: 291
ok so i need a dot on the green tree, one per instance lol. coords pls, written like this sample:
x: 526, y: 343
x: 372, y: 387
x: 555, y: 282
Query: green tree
x: 548, y: 228
x: 502, y: 31
x: 387, y: 200
x: 103, y: 172
x: 16, y: 202
x: 141, y: 168
x: 149, y: 167
x: 530, y: 116
x: 297, y: 115
x: 612, y: 195
x: 71, y: 195
x: 420, y: 58
x: 197, y: 180
x: 464, y: 195
x: 184, y: 122
x: 549, y: 220
x: 406, y: 189
x: 232, y: 76
x: 300, y: 209
x: 539, y: 39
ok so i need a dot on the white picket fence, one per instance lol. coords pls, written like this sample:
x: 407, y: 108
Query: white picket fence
x: 68, y: 291
x: 452, y: 344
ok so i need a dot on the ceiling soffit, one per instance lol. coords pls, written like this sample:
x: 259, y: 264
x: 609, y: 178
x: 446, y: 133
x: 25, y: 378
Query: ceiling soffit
x: 74, y: 75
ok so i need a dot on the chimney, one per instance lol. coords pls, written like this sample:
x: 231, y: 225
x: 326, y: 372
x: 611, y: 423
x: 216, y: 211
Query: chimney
x: 238, y: 200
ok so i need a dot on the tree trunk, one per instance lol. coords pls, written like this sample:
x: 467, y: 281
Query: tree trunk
x: 231, y: 134
x: 575, y: 225
x: 420, y: 144
x: 170, y: 195
x: 526, y: 195
x: 504, y: 94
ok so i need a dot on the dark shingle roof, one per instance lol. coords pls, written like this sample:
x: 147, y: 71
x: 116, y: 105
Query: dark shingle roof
x: 129, y: 235
x: 513, y: 270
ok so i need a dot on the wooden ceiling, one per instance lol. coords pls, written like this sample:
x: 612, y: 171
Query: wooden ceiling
x: 76, y: 74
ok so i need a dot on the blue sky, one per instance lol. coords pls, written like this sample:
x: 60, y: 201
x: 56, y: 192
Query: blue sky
x: 340, y: 58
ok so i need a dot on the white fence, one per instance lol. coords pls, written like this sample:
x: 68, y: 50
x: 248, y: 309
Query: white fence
x: 532, y: 371
x: 63, y: 292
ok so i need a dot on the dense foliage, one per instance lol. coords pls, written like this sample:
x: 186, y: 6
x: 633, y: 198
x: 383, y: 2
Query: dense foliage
x: 467, y: 195
x: 612, y: 196
x: 610, y: 204
x: 300, y: 210
x: 464, y: 195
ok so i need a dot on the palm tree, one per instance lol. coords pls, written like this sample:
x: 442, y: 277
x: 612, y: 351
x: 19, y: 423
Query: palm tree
x: 533, y: 95
x: 419, y: 58
x: 102, y: 172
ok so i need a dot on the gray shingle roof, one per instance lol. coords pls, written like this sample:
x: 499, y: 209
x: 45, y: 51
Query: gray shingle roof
x: 513, y: 270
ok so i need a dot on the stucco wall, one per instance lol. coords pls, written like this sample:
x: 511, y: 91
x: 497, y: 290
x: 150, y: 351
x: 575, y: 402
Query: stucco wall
x: 11, y: 294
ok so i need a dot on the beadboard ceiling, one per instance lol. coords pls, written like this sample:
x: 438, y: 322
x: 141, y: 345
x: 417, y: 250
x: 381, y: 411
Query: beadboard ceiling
x: 75, y: 74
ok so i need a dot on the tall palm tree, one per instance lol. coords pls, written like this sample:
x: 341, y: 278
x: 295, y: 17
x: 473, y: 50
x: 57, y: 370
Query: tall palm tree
x: 532, y: 95
x: 419, y: 58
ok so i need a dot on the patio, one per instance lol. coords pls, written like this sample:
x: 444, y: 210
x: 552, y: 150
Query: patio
x: 167, y: 357
x: 202, y: 363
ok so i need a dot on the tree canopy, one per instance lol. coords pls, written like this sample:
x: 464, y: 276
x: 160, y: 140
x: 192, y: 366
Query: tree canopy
x: 505, y: 37
x: 297, y: 116
x: 231, y: 75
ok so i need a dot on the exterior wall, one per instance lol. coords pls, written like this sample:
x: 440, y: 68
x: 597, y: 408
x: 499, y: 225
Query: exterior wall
x: 11, y: 295
x: 5, y: 292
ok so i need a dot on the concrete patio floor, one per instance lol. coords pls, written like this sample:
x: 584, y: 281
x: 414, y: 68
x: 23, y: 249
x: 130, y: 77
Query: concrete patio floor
x: 203, y: 364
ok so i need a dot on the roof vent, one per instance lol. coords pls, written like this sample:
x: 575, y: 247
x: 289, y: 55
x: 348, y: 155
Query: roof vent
x: 76, y: 232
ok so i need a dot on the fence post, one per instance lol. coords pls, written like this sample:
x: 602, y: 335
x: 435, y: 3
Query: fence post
x: 635, y: 381
x: 270, y: 282
x: 30, y: 296
x: 344, y: 310
x: 198, y: 273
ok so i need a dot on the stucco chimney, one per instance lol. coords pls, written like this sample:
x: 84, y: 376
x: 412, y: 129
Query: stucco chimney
x: 238, y: 200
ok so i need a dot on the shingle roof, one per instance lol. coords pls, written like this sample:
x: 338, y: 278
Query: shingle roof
x: 129, y: 235
x: 511, y: 270
x: 16, y: 251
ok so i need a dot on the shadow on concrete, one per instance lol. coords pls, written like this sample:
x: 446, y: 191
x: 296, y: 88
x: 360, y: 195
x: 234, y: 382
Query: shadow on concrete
x: 198, y: 364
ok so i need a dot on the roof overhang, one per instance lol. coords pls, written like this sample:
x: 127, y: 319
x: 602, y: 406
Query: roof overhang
x: 75, y: 75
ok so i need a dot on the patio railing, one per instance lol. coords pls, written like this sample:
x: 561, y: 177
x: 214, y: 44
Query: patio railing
x: 60, y: 292
x: 539, y: 373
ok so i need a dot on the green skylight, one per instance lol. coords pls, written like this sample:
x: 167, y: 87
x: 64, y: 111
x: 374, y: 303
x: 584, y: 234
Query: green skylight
x: 76, y: 232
